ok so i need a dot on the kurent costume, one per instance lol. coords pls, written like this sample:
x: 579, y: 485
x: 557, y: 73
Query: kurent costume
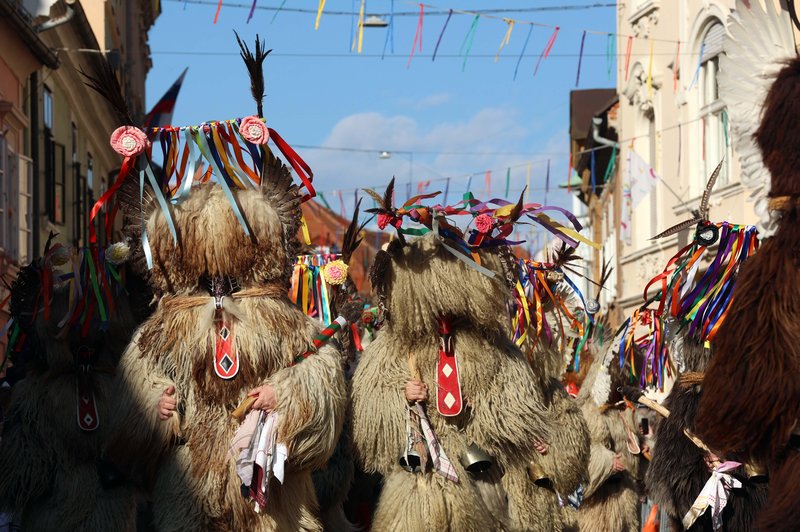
x: 332, y: 483
x: 557, y: 473
x: 692, y: 308
x: 71, y: 320
x: 611, y: 498
x: 751, y: 397
x: 220, y: 260
x: 464, y: 454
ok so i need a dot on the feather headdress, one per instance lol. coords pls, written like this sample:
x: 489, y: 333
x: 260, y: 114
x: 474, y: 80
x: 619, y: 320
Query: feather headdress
x: 233, y: 152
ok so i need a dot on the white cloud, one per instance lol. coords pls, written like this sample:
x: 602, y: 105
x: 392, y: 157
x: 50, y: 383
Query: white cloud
x: 481, y: 141
x: 434, y: 100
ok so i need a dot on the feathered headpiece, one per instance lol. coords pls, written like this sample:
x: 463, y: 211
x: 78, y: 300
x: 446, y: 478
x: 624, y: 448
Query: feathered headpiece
x: 492, y: 222
x: 233, y: 151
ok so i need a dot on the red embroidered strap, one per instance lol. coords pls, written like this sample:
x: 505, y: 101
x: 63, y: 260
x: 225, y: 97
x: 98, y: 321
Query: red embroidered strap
x: 226, y: 360
x: 448, y: 384
x: 88, y: 418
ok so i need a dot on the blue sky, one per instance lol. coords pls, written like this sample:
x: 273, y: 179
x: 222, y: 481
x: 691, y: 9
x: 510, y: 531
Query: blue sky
x: 455, y: 122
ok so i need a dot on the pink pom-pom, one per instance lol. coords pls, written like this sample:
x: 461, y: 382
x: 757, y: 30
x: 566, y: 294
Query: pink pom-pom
x: 484, y: 223
x: 254, y: 130
x: 129, y: 141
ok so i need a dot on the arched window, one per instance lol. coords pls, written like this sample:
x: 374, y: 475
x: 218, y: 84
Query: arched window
x: 713, y: 117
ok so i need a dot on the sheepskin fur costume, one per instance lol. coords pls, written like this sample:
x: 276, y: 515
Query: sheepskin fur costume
x: 195, y: 485
x: 565, y: 463
x: 49, y: 465
x: 678, y: 470
x: 751, y: 391
x: 611, y: 500
x: 332, y: 483
x: 503, y: 413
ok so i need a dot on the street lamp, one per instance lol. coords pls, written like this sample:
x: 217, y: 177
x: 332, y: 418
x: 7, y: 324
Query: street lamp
x: 374, y: 21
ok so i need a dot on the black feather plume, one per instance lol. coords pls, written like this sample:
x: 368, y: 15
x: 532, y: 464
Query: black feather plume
x: 352, y: 237
x: 516, y: 212
x: 104, y: 81
x: 255, y: 67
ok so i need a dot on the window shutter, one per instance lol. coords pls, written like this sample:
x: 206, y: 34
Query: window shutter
x: 712, y: 42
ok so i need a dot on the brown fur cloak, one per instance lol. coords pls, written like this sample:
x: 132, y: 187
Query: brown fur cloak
x: 678, y: 471
x: 565, y: 463
x: 196, y: 486
x: 503, y: 412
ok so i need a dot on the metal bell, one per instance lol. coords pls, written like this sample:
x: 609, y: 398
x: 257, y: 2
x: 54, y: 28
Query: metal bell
x: 475, y: 459
x: 538, y: 475
x: 411, y: 461
x: 755, y: 471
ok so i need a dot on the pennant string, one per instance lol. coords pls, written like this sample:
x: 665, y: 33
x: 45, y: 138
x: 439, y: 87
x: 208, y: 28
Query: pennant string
x: 417, y: 35
x: 628, y: 56
x: 506, y: 38
x: 699, y: 65
x: 276, y: 11
x: 522, y: 53
x: 580, y: 60
x: 549, y: 46
x: 319, y: 13
x: 469, y: 39
x: 676, y: 68
x: 439, y: 40
x: 390, y: 31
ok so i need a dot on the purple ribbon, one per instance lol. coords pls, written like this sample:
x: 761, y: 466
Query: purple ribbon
x: 439, y: 40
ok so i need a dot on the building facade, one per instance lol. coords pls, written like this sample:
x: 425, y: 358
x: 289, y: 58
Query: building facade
x: 23, y: 53
x: 63, y: 159
x: 670, y: 119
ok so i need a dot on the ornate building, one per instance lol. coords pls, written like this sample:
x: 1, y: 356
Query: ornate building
x: 670, y: 119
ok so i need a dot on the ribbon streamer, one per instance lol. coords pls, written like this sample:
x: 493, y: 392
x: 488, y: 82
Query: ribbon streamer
x: 676, y: 68
x: 439, y: 40
x: 628, y: 56
x: 468, y: 39
x: 319, y: 13
x: 611, y: 48
x: 417, y: 35
x: 699, y: 65
x: 506, y: 37
x: 580, y: 60
x: 549, y: 46
x: 522, y: 52
x: 390, y: 31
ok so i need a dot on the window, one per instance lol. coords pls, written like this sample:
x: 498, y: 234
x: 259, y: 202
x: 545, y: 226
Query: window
x: 56, y: 176
x: 713, y: 117
x: 74, y: 143
x: 88, y: 199
x: 48, y: 108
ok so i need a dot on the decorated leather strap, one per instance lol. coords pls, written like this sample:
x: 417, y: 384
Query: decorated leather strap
x: 448, y: 383
x: 226, y: 359
x: 88, y: 418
